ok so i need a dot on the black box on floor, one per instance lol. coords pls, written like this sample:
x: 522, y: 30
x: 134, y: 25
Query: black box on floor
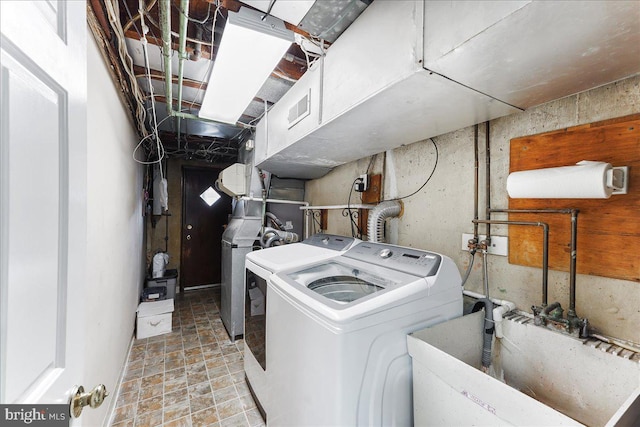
x: 168, y: 280
x: 154, y: 293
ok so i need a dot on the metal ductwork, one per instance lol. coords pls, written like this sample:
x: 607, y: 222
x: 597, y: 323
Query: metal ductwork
x: 377, y: 216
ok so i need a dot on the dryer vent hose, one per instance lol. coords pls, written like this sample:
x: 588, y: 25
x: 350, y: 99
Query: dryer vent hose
x: 377, y: 216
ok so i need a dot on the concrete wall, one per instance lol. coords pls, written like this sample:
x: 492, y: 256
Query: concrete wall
x: 436, y: 217
x: 115, y: 234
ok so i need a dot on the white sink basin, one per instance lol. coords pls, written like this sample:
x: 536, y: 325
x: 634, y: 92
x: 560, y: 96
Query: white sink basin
x: 542, y: 378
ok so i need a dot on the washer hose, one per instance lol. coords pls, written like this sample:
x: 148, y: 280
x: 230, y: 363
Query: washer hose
x: 488, y: 329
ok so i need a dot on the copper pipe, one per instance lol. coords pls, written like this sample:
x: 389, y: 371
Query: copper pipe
x: 573, y: 248
x: 475, y: 182
x: 487, y: 155
x: 545, y: 248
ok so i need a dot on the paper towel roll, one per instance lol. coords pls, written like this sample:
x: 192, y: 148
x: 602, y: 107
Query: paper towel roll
x: 586, y: 180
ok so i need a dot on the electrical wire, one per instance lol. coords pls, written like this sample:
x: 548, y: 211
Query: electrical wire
x: 428, y: 179
x: 132, y: 19
x: 371, y: 163
x: 113, y: 13
x: 355, y: 229
x: 142, y: 162
x: 145, y: 51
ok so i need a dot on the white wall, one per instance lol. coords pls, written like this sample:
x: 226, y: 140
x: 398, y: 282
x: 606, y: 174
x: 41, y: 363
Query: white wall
x: 435, y: 218
x: 115, y: 263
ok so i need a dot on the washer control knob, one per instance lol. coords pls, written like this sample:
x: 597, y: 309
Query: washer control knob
x: 385, y: 253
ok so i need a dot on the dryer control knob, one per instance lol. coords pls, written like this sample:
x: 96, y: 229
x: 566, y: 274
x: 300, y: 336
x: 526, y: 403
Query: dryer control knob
x: 385, y: 253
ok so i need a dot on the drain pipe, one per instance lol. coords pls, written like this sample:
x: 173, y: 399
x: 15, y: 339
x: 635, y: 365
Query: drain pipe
x: 197, y: 47
x: 375, y: 224
x: 504, y: 307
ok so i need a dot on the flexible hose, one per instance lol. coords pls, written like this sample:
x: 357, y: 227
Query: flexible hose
x: 488, y: 330
x: 488, y: 333
x: 271, y: 240
x: 468, y: 272
x: 375, y: 224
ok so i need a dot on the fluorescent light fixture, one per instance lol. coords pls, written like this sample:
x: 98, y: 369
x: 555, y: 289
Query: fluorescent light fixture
x: 250, y: 49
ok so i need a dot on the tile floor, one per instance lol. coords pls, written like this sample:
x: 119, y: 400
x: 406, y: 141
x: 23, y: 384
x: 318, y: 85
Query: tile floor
x: 191, y: 377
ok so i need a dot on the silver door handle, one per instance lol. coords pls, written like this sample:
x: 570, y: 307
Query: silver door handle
x: 80, y: 399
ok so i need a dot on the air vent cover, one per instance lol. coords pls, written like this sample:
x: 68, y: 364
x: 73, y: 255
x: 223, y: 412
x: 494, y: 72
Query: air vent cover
x: 300, y: 109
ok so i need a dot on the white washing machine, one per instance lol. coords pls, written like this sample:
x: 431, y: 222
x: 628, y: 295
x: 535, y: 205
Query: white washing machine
x: 259, y: 266
x: 336, y: 334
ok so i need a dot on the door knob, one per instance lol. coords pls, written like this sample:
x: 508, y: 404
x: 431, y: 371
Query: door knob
x: 189, y: 226
x: 80, y: 399
x: 188, y: 236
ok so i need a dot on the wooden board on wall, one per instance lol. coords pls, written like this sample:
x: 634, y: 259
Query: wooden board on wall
x: 370, y: 197
x: 608, y: 229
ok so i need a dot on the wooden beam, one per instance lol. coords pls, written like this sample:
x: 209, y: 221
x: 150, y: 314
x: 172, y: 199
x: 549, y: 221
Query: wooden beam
x: 206, y: 47
x: 290, y: 70
x: 98, y: 12
x: 113, y: 63
x: 159, y: 75
x: 185, y: 104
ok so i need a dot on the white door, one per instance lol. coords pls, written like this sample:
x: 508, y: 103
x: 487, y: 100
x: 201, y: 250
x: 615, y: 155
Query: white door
x: 42, y: 199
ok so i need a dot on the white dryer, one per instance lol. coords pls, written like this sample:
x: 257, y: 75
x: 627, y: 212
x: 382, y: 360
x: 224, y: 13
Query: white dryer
x: 259, y: 266
x: 336, y: 334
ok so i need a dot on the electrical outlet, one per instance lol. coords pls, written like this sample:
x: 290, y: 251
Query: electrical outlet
x: 499, y: 244
x: 362, y: 184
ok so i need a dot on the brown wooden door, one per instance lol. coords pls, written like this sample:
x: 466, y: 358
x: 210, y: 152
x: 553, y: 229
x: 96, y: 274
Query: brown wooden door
x: 202, y: 228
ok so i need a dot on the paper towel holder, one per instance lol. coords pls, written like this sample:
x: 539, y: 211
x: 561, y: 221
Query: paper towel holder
x: 617, y: 179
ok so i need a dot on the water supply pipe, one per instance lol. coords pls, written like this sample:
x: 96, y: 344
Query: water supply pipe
x: 545, y: 248
x: 476, y: 165
x: 573, y: 246
x: 375, y: 224
x: 487, y: 155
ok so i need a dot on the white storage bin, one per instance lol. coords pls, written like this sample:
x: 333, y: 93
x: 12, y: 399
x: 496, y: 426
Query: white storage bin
x: 154, y: 318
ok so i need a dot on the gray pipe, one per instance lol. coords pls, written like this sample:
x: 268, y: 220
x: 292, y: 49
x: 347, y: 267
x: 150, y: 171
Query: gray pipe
x: 182, y: 48
x: 165, y: 27
x: 375, y: 224
x: 197, y: 47
x: 271, y: 240
x: 488, y: 329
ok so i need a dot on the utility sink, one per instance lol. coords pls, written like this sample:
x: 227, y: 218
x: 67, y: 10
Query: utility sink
x: 538, y: 377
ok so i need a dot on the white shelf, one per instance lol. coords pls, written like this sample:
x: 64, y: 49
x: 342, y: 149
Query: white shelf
x: 354, y: 206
